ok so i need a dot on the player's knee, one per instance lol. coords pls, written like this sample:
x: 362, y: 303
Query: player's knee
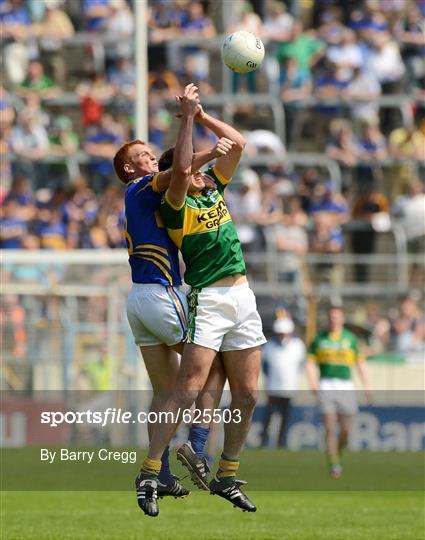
x: 245, y: 399
x: 185, y: 397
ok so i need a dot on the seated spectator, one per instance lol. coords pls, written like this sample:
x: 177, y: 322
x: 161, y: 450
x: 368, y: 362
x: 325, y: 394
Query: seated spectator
x: 368, y: 204
x: 385, y: 63
x: 409, y: 209
x: 98, y: 237
x: 331, y: 29
x: 247, y: 21
x: 63, y: 139
x: 408, y: 142
x: 342, y: 145
x: 407, y: 329
x: 327, y: 240
x: 290, y: 239
x: 246, y: 207
x: 5, y: 159
x: 303, y: 47
x: 165, y: 21
x: 101, y: 143
x: 197, y: 24
x: 278, y: 24
x: 163, y: 82
x: 51, y: 31
x: 346, y: 54
x: 410, y: 32
x: 326, y: 199
x: 192, y: 71
x: 64, y: 142
x: 368, y: 23
x: 159, y: 123
x: 32, y: 106
x: 368, y: 316
x: 112, y: 215
x: 121, y: 19
x: 363, y: 88
x: 52, y: 230
x: 295, y: 85
x: 80, y: 212
x: 96, y: 14
x: 94, y: 94
x: 7, y: 107
x: 123, y: 78
x: 15, y: 22
x: 22, y: 194
x: 13, y: 227
x: 30, y: 143
x: 372, y: 150
x: 329, y: 83
x: 37, y: 82
x: 309, y: 180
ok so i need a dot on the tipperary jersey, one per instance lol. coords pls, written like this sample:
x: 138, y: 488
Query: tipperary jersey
x: 204, y: 232
x: 335, y: 354
x: 152, y: 255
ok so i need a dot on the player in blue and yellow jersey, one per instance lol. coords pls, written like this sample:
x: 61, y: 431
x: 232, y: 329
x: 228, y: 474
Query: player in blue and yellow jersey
x: 332, y: 354
x: 157, y: 308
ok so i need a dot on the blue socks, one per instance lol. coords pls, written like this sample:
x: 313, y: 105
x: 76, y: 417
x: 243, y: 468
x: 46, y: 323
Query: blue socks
x: 198, y: 437
x: 165, y: 474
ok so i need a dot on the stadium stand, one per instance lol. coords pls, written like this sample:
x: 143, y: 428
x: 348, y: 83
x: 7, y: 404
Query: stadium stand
x: 331, y: 191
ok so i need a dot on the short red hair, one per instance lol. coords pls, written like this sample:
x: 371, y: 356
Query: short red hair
x: 121, y: 158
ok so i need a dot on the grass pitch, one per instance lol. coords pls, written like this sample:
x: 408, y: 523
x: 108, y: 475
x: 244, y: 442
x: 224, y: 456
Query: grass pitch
x: 305, y: 503
x: 290, y: 515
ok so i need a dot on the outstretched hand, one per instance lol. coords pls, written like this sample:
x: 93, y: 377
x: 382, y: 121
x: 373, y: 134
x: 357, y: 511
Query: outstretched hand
x: 189, y: 102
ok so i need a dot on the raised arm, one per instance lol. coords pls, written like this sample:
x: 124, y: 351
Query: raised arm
x: 226, y: 165
x: 221, y: 148
x: 183, y: 152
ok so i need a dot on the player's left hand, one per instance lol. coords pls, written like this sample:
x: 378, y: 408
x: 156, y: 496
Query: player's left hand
x: 223, y: 147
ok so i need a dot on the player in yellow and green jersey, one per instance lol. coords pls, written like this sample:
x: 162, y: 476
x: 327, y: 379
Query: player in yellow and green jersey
x: 332, y: 354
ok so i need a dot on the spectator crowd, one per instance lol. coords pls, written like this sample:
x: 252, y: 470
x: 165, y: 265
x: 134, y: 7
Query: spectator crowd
x: 328, y: 62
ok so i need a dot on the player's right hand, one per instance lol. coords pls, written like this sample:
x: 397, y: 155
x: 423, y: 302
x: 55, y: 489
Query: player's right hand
x: 189, y: 102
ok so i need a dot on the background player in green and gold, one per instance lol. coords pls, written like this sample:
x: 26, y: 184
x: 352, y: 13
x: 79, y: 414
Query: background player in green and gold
x: 332, y: 354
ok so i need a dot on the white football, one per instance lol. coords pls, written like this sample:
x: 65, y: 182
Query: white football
x: 242, y: 52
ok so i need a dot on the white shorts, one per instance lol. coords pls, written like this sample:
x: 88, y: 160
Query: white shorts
x: 224, y: 318
x: 337, y: 396
x: 157, y: 314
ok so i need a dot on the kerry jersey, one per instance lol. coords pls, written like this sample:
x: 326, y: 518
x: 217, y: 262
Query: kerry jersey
x: 335, y: 354
x: 153, y: 257
x: 204, y: 232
